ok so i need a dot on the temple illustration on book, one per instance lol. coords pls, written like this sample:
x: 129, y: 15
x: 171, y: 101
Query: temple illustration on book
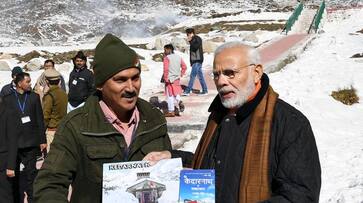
x: 146, y: 190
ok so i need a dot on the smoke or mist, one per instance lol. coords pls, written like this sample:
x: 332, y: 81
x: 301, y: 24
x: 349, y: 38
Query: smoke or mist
x: 141, y: 26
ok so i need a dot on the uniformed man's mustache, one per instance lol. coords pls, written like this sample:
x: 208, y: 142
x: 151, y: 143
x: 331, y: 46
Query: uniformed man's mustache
x: 129, y: 94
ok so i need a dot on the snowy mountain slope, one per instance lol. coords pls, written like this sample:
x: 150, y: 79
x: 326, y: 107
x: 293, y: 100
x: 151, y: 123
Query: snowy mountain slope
x: 60, y: 22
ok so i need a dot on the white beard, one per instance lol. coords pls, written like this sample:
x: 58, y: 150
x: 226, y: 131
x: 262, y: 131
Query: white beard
x: 241, y: 96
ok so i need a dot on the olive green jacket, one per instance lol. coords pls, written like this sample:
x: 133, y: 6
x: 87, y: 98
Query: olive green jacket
x: 54, y: 106
x: 84, y: 141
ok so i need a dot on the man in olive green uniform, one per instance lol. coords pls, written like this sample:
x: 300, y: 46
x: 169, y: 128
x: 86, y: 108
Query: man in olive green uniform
x: 114, y: 125
x: 54, y: 103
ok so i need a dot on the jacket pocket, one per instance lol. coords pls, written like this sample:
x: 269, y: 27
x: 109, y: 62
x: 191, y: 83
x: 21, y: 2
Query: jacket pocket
x: 97, y: 156
x: 100, y: 151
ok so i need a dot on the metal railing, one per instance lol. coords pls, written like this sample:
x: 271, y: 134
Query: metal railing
x: 293, y: 18
x: 317, y: 18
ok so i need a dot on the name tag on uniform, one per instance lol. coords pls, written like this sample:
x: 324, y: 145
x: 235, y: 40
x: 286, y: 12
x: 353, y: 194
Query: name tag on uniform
x: 25, y: 119
x: 74, y: 82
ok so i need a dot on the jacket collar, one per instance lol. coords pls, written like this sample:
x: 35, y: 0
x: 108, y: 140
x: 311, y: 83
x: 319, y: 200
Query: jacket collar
x: 77, y: 70
x: 245, y: 110
x: 53, y: 87
x: 95, y: 123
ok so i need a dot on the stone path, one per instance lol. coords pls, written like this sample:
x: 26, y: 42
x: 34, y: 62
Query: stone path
x: 196, y: 107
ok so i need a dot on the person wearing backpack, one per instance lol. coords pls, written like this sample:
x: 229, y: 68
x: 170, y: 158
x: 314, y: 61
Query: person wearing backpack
x: 54, y: 103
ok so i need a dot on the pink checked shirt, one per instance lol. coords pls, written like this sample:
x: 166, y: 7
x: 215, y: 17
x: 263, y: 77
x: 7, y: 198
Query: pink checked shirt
x: 126, y: 129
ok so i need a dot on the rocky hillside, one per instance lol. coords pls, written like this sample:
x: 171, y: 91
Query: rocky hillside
x: 62, y: 22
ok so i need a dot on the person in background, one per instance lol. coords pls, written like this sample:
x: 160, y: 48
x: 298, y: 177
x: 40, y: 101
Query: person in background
x: 81, y: 82
x: 174, y: 68
x: 262, y: 149
x: 196, y: 61
x: 10, y: 88
x: 41, y: 87
x: 8, y: 153
x: 114, y: 125
x: 31, y: 133
x: 54, y: 103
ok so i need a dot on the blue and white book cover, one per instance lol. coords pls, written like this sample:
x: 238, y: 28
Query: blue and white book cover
x: 141, y: 182
x: 197, y: 186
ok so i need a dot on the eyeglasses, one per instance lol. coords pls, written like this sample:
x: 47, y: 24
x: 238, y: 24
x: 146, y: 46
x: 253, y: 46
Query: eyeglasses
x: 229, y: 73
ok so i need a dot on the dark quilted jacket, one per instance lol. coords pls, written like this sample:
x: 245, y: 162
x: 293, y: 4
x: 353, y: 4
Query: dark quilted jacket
x: 295, y: 172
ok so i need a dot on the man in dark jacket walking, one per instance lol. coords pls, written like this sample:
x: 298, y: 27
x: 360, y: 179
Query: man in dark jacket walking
x: 114, y: 125
x: 10, y: 88
x: 262, y: 149
x: 28, y: 112
x: 196, y: 61
x: 81, y: 82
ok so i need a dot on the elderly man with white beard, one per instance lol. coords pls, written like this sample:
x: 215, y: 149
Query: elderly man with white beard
x: 262, y: 149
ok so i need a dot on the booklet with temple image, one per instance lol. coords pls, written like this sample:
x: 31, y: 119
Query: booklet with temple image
x: 139, y: 182
x: 197, y: 186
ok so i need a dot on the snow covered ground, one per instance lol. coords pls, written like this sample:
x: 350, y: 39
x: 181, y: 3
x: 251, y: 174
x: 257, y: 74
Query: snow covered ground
x: 307, y: 83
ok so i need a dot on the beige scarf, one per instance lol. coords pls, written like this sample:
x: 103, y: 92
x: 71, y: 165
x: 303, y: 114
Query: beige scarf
x: 254, y: 184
